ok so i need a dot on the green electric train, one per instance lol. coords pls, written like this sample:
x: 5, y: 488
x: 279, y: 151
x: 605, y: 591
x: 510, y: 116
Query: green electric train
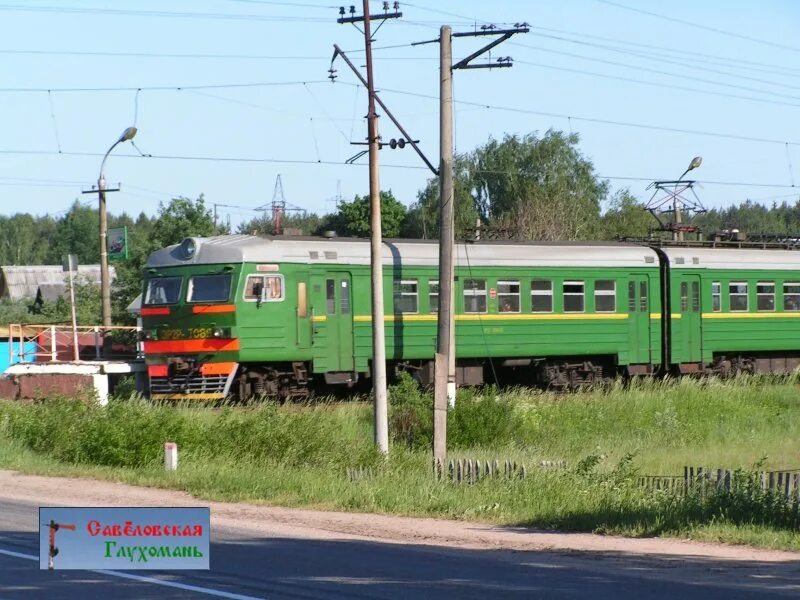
x: 242, y: 315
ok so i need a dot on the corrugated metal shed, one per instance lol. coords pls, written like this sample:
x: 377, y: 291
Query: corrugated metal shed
x: 17, y: 283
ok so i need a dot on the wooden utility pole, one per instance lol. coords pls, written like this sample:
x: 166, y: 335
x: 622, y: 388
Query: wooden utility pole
x: 444, y: 388
x: 376, y: 253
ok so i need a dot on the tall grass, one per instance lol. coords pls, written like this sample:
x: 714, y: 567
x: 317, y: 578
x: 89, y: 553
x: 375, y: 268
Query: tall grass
x: 297, y: 454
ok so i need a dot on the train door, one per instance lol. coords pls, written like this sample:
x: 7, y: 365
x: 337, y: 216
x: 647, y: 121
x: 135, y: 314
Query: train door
x: 691, y: 332
x: 333, y: 322
x: 639, y: 315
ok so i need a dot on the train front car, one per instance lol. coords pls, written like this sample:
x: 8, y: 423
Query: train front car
x: 189, y: 319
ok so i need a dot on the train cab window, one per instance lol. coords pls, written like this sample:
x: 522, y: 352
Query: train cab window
x: 406, y: 298
x: 716, y: 296
x: 605, y: 295
x: 765, y: 295
x: 542, y: 295
x: 573, y: 296
x: 791, y: 296
x: 163, y: 290
x: 433, y: 296
x: 508, y: 296
x: 209, y: 288
x: 474, y: 295
x: 267, y: 288
x: 737, y: 290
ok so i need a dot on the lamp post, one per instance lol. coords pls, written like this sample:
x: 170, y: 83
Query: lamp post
x: 678, y: 235
x: 105, y: 282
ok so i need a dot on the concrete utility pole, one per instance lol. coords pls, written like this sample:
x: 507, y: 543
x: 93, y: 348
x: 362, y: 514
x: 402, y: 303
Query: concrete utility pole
x: 444, y: 385
x: 445, y: 363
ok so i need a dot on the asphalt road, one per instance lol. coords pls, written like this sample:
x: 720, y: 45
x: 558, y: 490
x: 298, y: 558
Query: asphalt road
x: 246, y: 567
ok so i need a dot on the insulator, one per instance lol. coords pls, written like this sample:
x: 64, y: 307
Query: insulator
x: 341, y: 10
x: 401, y: 143
x: 385, y: 7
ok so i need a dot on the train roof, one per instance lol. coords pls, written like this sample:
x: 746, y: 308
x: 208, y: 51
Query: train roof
x: 316, y: 250
x: 733, y: 258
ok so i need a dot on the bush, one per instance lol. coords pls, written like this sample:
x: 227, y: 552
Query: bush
x: 479, y: 418
x: 483, y: 418
x: 410, y: 414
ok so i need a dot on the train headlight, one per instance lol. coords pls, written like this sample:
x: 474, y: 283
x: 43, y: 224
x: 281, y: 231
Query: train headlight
x: 147, y: 334
x: 221, y: 332
x: 188, y: 248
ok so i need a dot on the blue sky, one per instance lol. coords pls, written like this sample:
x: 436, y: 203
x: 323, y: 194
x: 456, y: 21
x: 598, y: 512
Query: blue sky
x: 563, y: 68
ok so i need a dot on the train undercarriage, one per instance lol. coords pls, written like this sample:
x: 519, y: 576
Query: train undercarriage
x: 294, y: 380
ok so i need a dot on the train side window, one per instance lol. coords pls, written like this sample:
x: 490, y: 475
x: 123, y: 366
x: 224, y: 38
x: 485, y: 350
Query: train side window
x: 542, y: 296
x: 791, y: 296
x: 684, y: 296
x: 695, y: 296
x: 737, y: 291
x: 433, y: 296
x: 344, y: 298
x: 508, y: 296
x: 765, y: 295
x: 643, y: 296
x: 716, y: 296
x: 631, y: 296
x: 573, y: 296
x: 474, y: 295
x: 330, y: 296
x: 605, y: 295
x: 406, y: 298
x: 302, y: 300
x: 267, y: 287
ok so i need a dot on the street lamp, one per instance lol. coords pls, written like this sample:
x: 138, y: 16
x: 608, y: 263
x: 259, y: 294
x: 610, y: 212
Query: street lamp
x: 105, y: 282
x: 678, y: 234
x: 696, y: 162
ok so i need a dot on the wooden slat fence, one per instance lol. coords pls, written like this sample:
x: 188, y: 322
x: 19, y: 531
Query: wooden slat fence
x: 785, y: 484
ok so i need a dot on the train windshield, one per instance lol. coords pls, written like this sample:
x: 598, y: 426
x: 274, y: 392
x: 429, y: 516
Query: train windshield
x: 163, y: 290
x: 209, y: 288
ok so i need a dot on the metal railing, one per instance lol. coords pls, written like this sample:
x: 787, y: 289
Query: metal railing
x: 55, y: 343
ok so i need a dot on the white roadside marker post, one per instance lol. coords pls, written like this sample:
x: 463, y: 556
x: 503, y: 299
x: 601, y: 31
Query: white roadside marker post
x: 170, y: 456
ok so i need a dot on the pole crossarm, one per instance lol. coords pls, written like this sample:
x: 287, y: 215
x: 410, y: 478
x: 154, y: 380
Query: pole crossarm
x: 504, y: 35
x: 339, y: 52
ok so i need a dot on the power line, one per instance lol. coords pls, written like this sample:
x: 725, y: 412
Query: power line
x: 656, y: 84
x: 692, y: 55
x: 204, y: 56
x: 239, y: 159
x: 734, y: 34
x: 669, y: 74
x: 164, y: 88
x: 603, y: 121
x: 162, y: 13
x: 657, y: 58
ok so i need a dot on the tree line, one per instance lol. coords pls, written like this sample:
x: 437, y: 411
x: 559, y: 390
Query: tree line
x: 521, y: 187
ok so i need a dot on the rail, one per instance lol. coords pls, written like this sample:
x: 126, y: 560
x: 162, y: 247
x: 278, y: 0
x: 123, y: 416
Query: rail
x: 56, y: 343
